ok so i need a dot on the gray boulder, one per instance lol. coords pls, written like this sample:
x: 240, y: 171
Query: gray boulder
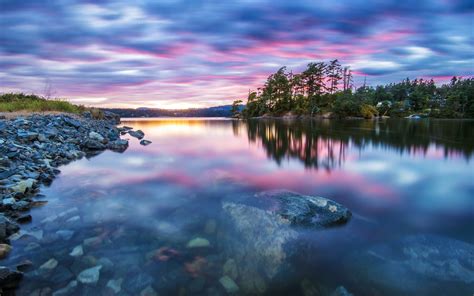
x: 301, y: 210
x: 137, y: 134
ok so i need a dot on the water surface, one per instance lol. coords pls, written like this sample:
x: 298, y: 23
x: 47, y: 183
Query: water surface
x: 408, y: 183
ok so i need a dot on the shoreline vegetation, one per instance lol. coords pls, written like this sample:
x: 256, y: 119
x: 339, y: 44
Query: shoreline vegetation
x: 32, y: 148
x: 326, y: 90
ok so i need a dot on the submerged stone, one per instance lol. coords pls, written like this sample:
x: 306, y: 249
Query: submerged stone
x: 198, y: 242
x: 90, y: 276
x: 230, y: 269
x: 9, y: 279
x: 77, y: 251
x: 65, y: 234
x: 229, y: 285
x: 115, y: 285
x: 49, y: 265
x: 4, y: 250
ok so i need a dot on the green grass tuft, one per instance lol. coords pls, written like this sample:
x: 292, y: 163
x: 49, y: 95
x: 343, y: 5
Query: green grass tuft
x: 11, y: 102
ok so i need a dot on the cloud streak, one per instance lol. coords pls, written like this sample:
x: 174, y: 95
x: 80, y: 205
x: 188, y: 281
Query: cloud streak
x: 202, y: 53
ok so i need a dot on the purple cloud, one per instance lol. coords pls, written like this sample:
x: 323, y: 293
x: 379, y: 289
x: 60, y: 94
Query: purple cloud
x: 201, y: 53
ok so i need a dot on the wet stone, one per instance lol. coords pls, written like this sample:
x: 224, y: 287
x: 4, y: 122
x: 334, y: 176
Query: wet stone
x: 90, y: 276
x: 115, y: 285
x: 8, y: 278
x: 49, y: 265
x: 229, y: 285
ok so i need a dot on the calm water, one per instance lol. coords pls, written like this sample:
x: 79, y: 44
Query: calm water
x: 408, y: 183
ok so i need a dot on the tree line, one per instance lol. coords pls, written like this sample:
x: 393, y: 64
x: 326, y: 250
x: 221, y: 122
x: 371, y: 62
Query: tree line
x: 328, y: 88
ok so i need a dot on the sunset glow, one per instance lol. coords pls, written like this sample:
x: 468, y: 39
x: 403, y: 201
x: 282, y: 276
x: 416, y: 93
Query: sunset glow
x: 181, y: 54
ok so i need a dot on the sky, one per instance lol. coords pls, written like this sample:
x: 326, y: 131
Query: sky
x: 194, y: 53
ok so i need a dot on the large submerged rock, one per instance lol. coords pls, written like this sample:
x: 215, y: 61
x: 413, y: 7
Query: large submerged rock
x: 264, y: 229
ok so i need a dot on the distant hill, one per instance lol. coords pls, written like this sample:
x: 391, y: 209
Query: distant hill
x: 218, y: 111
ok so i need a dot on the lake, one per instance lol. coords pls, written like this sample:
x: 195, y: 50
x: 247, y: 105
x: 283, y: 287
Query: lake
x: 154, y: 217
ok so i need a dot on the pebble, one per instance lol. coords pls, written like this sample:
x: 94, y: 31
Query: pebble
x: 77, y: 251
x: 90, y: 276
x: 145, y: 142
x: 50, y: 264
x: 229, y: 285
x: 198, y: 242
x: 4, y: 250
x: 115, y: 285
x: 65, y: 234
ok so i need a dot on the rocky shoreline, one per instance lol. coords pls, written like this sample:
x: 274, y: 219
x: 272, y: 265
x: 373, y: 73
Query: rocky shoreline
x: 31, y: 150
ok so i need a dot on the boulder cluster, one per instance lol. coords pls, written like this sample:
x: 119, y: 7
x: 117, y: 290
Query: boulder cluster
x: 31, y: 150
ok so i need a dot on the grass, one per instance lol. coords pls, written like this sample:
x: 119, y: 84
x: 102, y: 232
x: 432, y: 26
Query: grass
x: 12, y: 102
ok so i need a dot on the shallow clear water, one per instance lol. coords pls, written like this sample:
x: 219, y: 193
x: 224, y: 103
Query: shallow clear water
x: 408, y: 183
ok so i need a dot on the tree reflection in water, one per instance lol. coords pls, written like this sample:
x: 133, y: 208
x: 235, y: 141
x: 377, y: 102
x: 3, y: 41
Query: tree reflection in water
x: 324, y: 144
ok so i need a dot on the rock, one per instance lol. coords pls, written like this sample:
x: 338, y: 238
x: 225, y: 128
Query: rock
x: 198, y: 242
x: 148, y: 291
x: 107, y: 264
x: 93, y: 145
x: 73, y: 219
x: 118, y: 145
x: 25, y: 136
x: 96, y: 137
x: 24, y: 266
x: 65, y: 234
x: 92, y: 241
x: 303, y: 210
x: 418, y: 265
x: 23, y: 185
x: 145, y: 142
x: 24, y: 219
x: 115, y: 285
x: 137, y: 134
x: 49, y: 265
x: 7, y: 228
x: 38, y: 234
x: 77, y: 251
x: 60, y: 275
x: 90, y: 276
x: 32, y: 246
x: 9, y: 201
x: 229, y: 285
x: 256, y: 228
x: 9, y: 279
x: 4, y: 250
x: 230, y: 269
x: 72, y: 122
x: 68, y: 290
x: 42, y: 138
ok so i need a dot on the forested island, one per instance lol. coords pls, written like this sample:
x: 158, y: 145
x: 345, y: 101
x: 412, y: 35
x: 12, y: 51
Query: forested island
x: 327, y: 90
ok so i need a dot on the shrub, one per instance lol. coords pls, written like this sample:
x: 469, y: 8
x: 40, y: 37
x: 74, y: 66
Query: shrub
x: 11, y: 102
x: 368, y: 111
